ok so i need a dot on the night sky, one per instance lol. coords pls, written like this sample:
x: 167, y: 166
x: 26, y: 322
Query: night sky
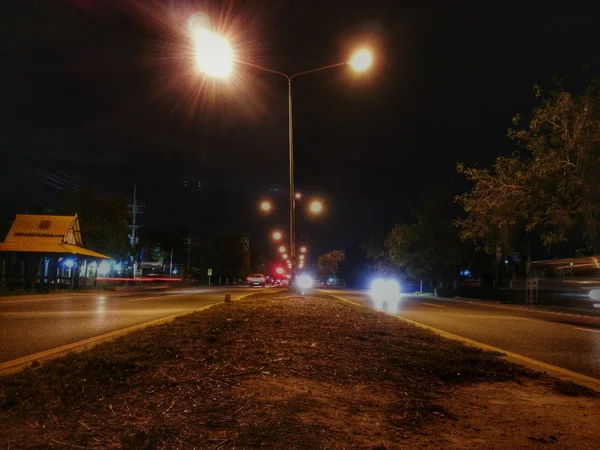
x: 105, y: 93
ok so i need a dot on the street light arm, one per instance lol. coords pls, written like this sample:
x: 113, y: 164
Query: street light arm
x: 285, y: 75
x: 318, y: 69
x: 264, y: 69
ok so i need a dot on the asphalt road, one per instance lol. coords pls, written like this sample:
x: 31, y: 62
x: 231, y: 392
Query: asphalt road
x: 568, y: 342
x: 32, y: 325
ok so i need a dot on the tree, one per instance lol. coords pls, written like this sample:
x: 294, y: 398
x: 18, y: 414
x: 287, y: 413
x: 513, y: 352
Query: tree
x: 376, y: 254
x: 104, y: 220
x: 329, y: 263
x: 430, y: 248
x: 549, y: 187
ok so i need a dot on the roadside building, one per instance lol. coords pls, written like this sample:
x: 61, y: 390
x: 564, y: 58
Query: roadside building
x: 46, y: 252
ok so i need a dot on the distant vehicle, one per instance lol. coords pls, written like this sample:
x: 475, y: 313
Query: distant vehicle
x: 256, y: 279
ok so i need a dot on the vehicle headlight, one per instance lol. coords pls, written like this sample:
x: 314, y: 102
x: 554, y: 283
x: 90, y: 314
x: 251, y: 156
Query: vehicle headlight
x: 386, y: 291
x: 304, y: 281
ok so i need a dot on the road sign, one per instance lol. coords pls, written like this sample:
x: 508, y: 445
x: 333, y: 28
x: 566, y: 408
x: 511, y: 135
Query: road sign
x: 209, y: 272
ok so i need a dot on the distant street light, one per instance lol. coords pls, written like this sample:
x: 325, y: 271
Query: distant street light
x: 277, y: 235
x: 266, y: 206
x: 316, y: 207
x: 282, y: 249
x: 301, y: 257
x: 285, y: 256
x: 215, y: 57
x: 298, y: 195
x: 302, y: 249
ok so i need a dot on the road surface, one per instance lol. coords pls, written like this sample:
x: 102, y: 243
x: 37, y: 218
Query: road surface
x: 568, y: 342
x: 32, y: 325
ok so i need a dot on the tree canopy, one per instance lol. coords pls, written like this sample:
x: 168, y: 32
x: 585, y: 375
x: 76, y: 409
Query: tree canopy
x: 429, y: 248
x: 103, y: 220
x: 329, y: 263
x: 550, y: 184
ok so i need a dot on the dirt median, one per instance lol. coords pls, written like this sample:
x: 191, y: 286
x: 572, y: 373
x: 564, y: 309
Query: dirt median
x: 291, y: 372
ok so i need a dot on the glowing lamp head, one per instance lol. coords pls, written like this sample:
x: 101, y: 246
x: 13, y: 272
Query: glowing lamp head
x: 302, y: 249
x: 277, y: 235
x: 301, y: 257
x: 282, y: 249
x: 298, y: 195
x: 266, y: 206
x: 213, y: 53
x: 279, y: 271
x: 316, y: 207
x: 285, y: 256
x: 361, y: 60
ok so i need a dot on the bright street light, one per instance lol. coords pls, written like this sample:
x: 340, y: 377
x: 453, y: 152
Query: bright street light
x: 316, y: 207
x: 213, y: 53
x: 277, y: 235
x: 285, y: 256
x: 361, y: 60
x: 302, y: 249
x: 282, y: 249
x: 266, y: 206
x: 301, y: 257
x: 298, y: 195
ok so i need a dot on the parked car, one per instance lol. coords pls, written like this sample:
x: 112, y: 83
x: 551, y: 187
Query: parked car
x: 256, y: 279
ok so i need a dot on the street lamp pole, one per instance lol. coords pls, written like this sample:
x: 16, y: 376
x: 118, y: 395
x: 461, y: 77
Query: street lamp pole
x: 291, y: 174
x: 289, y: 79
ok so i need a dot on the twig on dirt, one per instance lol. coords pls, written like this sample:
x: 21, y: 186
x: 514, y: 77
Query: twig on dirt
x: 169, y: 408
x: 67, y: 443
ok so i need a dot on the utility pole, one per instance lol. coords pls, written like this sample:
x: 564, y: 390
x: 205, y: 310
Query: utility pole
x: 171, y: 265
x: 189, y: 241
x: 135, y: 210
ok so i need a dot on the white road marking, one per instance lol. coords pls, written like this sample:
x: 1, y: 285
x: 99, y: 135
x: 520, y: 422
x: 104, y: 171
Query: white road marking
x: 587, y: 329
x: 431, y: 304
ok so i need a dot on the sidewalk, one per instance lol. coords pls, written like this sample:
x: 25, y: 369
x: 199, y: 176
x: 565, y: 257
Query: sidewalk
x: 289, y: 372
